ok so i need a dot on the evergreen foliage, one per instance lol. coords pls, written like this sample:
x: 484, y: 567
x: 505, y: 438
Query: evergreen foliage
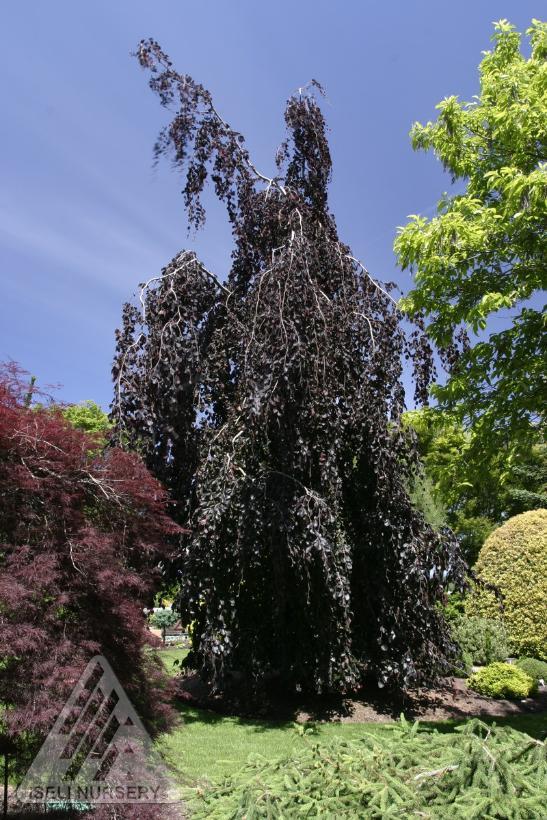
x: 514, y: 558
x: 109, y: 811
x: 502, y: 680
x: 270, y: 406
x: 481, y: 640
x: 423, y: 496
x: 534, y: 667
x: 475, y: 772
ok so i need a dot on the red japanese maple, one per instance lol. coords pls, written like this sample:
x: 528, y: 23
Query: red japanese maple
x: 83, y: 530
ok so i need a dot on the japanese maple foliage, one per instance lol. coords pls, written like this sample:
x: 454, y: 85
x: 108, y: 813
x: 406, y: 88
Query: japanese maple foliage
x: 83, y: 531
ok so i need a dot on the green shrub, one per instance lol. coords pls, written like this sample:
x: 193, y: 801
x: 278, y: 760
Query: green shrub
x: 455, y: 606
x: 514, y: 558
x: 406, y: 772
x: 463, y: 665
x: 535, y: 668
x: 502, y: 680
x: 481, y: 640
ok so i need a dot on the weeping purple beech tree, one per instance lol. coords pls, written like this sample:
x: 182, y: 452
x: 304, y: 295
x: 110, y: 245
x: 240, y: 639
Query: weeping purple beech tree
x: 270, y: 406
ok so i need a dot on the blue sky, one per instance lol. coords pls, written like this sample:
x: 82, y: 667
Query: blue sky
x: 83, y: 216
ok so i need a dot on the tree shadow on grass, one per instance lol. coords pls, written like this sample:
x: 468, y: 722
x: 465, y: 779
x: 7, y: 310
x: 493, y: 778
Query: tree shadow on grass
x: 210, y: 717
x: 443, y: 708
x: 534, y: 725
x: 279, y: 709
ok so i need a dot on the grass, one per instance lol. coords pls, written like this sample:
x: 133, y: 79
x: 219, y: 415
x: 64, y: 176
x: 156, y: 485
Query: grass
x: 172, y: 658
x: 210, y: 746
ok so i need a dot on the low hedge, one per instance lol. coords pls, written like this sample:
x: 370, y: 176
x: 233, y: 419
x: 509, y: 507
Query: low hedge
x: 534, y: 667
x: 502, y: 680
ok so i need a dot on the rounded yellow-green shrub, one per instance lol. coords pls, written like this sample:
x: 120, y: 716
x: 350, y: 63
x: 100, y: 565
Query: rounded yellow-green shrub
x: 502, y: 680
x: 514, y: 558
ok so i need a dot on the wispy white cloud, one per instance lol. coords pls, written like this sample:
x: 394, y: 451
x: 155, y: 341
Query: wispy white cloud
x: 86, y: 248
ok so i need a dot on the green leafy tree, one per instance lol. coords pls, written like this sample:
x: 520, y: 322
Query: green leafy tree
x: 465, y: 483
x: 473, y: 490
x: 163, y: 620
x: 484, y: 252
x: 87, y: 416
x: 527, y: 484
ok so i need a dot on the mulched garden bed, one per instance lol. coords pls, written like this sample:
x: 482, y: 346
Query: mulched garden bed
x: 451, y: 700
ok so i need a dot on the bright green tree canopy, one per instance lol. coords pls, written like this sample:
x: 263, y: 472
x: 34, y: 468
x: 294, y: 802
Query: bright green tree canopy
x: 87, y: 416
x: 478, y: 487
x: 485, y: 250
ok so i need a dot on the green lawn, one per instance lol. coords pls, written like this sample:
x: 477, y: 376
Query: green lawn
x: 172, y: 658
x: 207, y: 746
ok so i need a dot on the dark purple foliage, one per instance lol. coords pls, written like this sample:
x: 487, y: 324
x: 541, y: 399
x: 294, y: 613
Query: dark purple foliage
x: 270, y: 405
